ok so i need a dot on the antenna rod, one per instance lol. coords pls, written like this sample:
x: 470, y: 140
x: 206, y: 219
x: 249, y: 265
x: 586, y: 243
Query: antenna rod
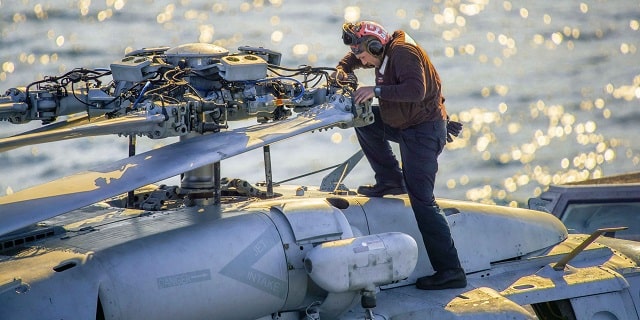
x: 266, y: 150
x: 132, y: 152
x: 563, y: 262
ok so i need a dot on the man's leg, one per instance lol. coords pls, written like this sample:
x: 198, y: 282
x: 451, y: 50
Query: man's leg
x: 420, y: 147
x: 374, y: 141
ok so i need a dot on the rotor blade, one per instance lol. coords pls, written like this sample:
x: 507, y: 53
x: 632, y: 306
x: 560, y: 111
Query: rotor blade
x: 111, y: 126
x: 48, y: 200
x: 72, y: 121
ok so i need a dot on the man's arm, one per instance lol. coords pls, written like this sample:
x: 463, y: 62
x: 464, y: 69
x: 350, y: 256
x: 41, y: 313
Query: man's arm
x: 410, y: 77
x: 349, y: 63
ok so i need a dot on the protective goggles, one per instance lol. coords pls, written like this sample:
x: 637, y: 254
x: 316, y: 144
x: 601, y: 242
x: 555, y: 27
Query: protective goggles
x: 349, y: 36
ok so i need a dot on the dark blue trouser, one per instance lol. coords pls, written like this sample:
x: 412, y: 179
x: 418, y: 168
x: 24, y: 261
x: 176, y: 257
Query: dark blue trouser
x: 420, y: 146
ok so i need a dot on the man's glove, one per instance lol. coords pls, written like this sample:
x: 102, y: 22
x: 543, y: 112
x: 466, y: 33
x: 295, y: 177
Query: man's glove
x: 453, y: 129
x: 339, y: 74
x: 342, y: 79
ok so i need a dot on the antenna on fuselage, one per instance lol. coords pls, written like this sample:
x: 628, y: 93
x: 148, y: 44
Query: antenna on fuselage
x: 568, y: 257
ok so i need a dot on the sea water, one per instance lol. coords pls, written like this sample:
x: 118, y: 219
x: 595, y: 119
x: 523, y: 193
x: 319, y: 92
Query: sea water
x: 548, y: 91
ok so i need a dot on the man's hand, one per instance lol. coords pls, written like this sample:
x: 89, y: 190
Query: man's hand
x: 363, y: 94
x: 339, y: 75
x: 453, y: 129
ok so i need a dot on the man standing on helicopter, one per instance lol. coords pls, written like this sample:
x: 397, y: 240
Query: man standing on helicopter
x: 411, y: 112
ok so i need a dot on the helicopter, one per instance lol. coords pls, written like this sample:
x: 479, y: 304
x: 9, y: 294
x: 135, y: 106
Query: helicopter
x: 109, y: 243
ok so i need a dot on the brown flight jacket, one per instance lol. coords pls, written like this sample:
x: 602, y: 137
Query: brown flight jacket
x: 410, y: 89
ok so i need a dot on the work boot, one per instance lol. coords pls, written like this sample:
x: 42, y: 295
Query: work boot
x: 380, y: 190
x: 445, y: 279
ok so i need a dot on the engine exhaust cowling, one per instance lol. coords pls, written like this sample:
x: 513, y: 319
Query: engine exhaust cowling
x: 363, y: 262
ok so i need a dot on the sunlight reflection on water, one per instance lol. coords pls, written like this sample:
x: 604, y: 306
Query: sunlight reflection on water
x: 548, y: 91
